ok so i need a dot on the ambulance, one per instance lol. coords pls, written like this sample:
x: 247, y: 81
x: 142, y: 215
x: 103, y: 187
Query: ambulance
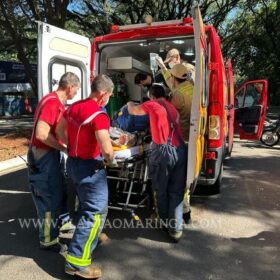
x: 126, y: 51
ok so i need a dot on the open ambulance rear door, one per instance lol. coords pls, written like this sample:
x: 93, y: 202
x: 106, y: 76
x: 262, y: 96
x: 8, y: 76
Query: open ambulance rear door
x: 199, y: 103
x: 60, y: 51
x: 230, y: 108
x: 250, y: 102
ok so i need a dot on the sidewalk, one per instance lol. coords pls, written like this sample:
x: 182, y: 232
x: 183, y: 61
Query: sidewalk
x: 8, y: 125
x: 12, y: 165
x: 16, y: 117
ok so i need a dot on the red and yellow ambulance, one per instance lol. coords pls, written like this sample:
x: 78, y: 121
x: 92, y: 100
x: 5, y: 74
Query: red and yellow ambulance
x: 126, y: 51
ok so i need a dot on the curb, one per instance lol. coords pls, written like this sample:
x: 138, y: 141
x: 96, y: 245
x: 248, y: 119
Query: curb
x: 12, y: 165
x: 18, y: 117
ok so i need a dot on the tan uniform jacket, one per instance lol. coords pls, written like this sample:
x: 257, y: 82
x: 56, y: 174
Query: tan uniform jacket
x: 182, y: 101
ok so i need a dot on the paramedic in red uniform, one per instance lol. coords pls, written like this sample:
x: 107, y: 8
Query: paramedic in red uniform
x: 167, y: 171
x: 46, y: 163
x: 85, y: 129
x: 180, y: 79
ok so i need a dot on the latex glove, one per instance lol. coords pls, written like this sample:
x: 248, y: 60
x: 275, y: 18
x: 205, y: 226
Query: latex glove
x: 160, y: 62
x: 64, y: 149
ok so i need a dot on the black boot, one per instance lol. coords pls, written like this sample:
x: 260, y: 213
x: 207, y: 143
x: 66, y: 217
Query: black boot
x: 187, y: 217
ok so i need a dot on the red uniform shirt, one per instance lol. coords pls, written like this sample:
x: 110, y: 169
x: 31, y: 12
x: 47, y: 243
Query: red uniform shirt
x: 174, y: 117
x: 49, y: 110
x: 159, y: 123
x: 84, y: 144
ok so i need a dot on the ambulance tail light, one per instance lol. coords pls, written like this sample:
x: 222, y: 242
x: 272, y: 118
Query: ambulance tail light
x: 210, y: 155
x: 210, y: 171
x: 214, y: 127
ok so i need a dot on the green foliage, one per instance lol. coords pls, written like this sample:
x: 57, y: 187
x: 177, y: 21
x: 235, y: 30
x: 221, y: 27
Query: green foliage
x: 19, y: 28
x: 249, y: 30
x: 253, y: 43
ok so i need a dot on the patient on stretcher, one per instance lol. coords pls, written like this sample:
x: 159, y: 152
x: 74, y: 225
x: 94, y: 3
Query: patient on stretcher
x: 126, y: 145
x: 130, y: 123
x: 129, y: 135
x: 121, y: 138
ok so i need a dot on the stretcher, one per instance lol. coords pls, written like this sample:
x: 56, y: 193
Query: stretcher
x: 129, y: 179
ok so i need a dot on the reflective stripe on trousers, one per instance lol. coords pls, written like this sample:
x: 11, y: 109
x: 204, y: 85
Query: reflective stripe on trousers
x: 91, y: 186
x: 49, y: 193
x: 168, y: 184
x: 187, y: 197
x: 85, y: 260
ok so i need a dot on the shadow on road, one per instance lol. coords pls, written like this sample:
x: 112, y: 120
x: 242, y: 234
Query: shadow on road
x: 139, y: 253
x: 17, y: 240
x: 263, y: 239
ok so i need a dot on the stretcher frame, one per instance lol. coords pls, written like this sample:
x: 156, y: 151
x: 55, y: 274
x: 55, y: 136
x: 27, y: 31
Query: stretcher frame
x: 130, y: 174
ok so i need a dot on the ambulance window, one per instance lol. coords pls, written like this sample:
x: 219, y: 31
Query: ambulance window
x: 204, y: 78
x: 253, y: 94
x: 57, y: 70
x: 239, y: 98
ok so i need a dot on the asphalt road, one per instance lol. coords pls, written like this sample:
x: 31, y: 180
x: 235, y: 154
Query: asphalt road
x: 234, y: 234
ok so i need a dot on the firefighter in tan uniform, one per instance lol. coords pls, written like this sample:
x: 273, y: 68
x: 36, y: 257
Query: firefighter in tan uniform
x: 180, y: 80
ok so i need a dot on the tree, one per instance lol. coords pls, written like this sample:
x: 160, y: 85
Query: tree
x: 18, y: 22
x: 253, y: 42
x: 97, y: 15
x: 248, y: 29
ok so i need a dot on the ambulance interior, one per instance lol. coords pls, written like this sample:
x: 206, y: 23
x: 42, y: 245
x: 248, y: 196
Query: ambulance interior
x: 123, y: 60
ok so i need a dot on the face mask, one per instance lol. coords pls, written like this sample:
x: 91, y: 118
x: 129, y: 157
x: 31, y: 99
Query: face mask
x: 104, y: 102
x: 171, y: 64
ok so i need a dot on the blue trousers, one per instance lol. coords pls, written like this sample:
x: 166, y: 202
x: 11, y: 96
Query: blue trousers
x: 89, y: 178
x: 49, y: 193
x: 168, y: 184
